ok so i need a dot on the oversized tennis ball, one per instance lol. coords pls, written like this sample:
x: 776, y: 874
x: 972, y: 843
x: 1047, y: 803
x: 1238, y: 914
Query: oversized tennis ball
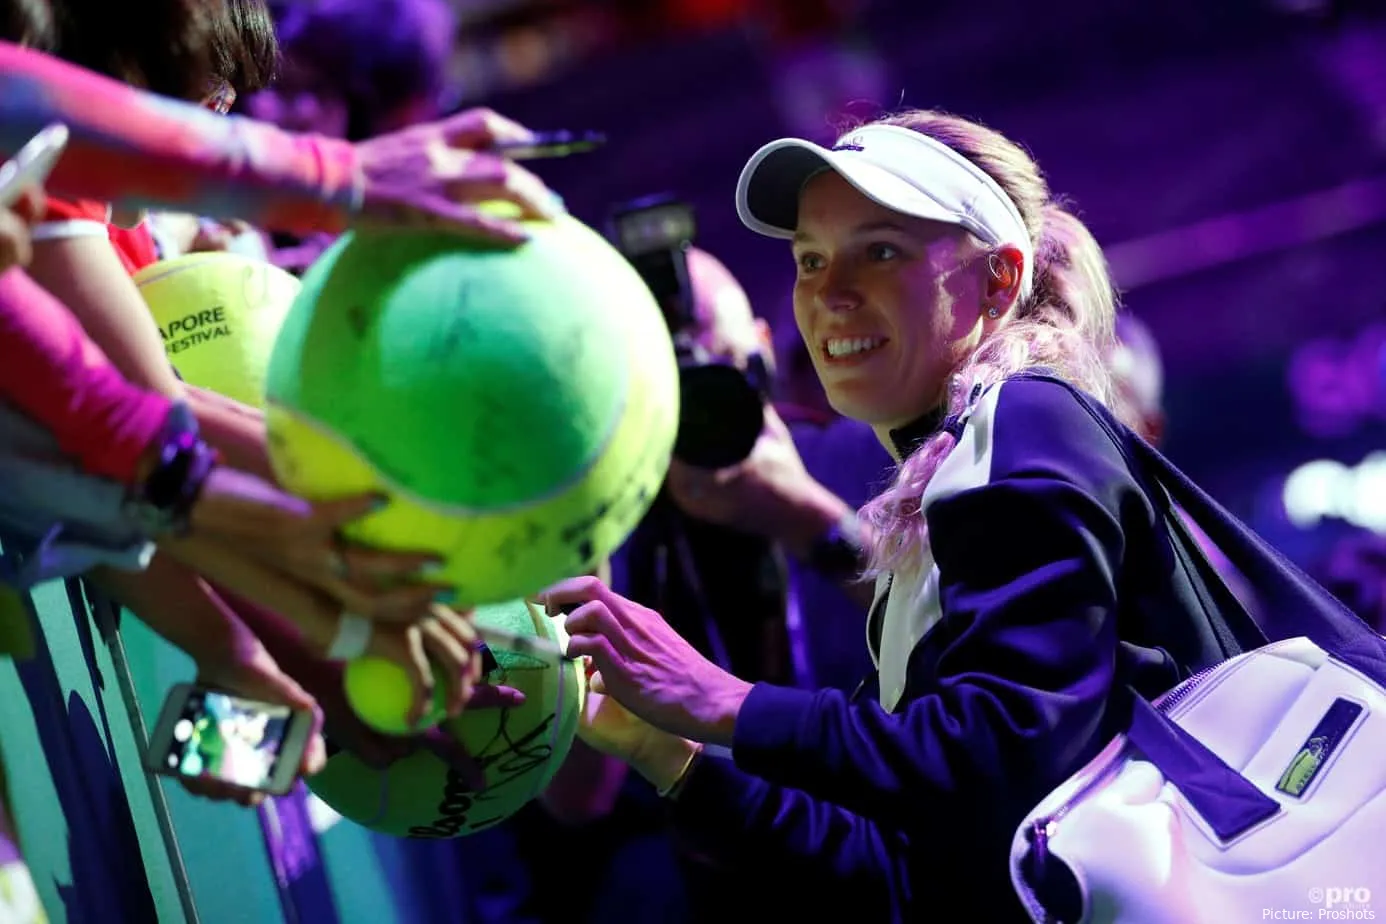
x: 219, y: 314
x: 519, y: 748
x: 518, y: 406
x: 380, y: 694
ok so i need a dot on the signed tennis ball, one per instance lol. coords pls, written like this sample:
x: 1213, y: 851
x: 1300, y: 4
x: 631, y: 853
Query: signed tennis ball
x: 518, y: 406
x: 379, y: 692
x: 219, y: 314
x: 519, y: 748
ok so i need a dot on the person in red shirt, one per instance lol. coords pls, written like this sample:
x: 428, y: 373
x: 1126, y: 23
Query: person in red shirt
x: 161, y: 153
x: 84, y: 252
x: 85, y: 258
x: 213, y: 52
x: 65, y: 219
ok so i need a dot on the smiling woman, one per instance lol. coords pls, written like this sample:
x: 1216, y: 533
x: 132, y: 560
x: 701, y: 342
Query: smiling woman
x: 934, y: 265
x: 878, y: 299
x: 1022, y: 569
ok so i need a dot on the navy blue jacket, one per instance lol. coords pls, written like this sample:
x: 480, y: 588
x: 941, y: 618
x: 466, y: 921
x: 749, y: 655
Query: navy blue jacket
x: 1053, y: 585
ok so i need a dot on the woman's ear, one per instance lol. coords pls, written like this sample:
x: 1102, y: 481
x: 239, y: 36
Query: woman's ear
x: 1005, y: 268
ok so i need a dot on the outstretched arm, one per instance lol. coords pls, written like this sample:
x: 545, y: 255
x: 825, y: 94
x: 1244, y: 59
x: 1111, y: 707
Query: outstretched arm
x: 1026, y: 523
x: 997, y: 669
x: 55, y: 374
x: 138, y: 150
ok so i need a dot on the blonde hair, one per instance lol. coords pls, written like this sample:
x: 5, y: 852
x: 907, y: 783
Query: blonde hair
x: 1064, y: 326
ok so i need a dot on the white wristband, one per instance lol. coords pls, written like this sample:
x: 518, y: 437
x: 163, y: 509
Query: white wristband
x: 352, y: 639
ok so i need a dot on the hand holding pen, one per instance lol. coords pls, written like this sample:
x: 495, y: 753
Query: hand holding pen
x: 439, y: 174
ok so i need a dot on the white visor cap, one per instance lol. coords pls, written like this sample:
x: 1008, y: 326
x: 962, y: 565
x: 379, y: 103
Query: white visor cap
x: 896, y: 167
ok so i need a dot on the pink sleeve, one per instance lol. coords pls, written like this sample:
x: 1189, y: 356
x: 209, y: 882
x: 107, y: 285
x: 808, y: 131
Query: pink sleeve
x: 55, y: 374
x: 137, y: 150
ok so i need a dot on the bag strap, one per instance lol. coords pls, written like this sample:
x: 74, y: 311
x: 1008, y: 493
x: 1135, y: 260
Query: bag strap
x: 1232, y: 623
x: 1236, y: 629
x: 1294, y: 605
x: 1227, y: 801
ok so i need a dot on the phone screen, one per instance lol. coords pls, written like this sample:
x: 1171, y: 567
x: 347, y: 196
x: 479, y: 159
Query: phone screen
x: 235, y: 740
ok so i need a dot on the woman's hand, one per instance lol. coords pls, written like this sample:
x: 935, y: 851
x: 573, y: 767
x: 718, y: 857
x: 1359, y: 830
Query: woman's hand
x: 436, y: 175
x: 440, y: 648
x: 301, y: 539
x: 14, y: 228
x: 445, y: 636
x: 770, y: 493
x: 253, y: 674
x: 324, y: 680
x: 612, y: 729
x: 193, y: 616
x: 646, y: 665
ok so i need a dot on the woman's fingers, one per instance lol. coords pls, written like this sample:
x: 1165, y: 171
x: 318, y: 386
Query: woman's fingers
x: 15, y: 248
x: 575, y: 592
x: 330, y: 516
x: 208, y: 787
x: 420, y: 673
x: 470, y: 222
x: 449, y: 640
x: 362, y: 561
x: 596, y: 647
x: 473, y: 178
x: 495, y: 696
x: 480, y: 128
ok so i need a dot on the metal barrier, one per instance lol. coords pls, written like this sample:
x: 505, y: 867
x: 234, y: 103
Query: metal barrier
x: 107, y: 843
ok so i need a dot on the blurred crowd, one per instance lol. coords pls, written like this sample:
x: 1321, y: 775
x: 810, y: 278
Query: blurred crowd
x: 161, y: 497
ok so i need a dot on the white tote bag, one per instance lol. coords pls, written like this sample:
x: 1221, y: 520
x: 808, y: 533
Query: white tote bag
x: 1255, y: 790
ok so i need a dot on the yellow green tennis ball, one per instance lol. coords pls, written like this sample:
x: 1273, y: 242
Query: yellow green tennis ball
x: 518, y: 406
x: 380, y: 694
x: 519, y: 748
x: 219, y: 315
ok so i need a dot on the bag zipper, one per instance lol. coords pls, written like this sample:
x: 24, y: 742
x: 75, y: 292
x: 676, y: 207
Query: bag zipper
x: 1042, y: 829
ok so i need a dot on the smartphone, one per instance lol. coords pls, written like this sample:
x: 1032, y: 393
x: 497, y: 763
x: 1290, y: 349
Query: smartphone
x: 208, y: 733
x: 551, y: 144
x: 33, y: 163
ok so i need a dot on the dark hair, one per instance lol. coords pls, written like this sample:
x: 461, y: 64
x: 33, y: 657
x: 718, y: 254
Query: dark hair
x: 382, y: 54
x: 177, y: 48
x: 28, y: 23
x: 245, y: 51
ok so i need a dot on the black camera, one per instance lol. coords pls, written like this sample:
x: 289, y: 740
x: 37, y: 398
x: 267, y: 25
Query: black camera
x: 722, y: 407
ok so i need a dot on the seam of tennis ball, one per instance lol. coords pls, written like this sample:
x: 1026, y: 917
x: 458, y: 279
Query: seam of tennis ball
x: 455, y: 509
x: 546, y: 774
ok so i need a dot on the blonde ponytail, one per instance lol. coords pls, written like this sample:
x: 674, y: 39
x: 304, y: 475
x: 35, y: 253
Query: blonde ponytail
x: 1065, y: 326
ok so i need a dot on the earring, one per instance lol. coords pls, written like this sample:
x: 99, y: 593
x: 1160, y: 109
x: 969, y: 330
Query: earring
x: 993, y: 312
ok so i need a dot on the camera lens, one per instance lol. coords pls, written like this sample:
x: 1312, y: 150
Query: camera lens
x: 721, y: 415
